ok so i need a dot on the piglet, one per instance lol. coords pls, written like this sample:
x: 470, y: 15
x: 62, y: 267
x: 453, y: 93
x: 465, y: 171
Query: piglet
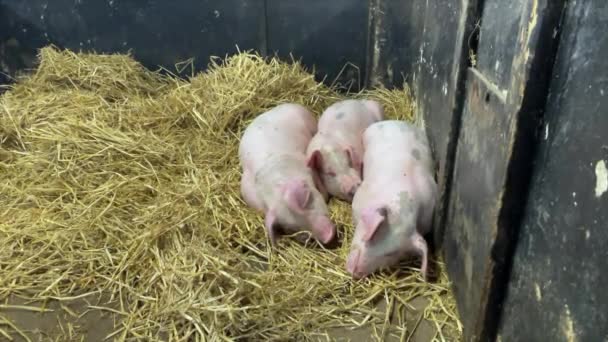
x: 336, y: 151
x: 394, y: 205
x: 275, y: 177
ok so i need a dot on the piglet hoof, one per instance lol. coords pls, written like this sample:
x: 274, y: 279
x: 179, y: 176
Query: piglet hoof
x: 273, y: 242
x: 333, y: 244
x: 302, y: 238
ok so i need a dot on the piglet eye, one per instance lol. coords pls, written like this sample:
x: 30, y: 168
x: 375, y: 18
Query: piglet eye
x: 349, y: 158
x: 391, y: 254
x: 308, y: 203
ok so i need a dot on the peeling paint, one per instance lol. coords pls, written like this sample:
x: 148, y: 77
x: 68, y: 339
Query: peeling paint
x: 533, y: 20
x: 568, y: 325
x: 378, y: 30
x: 539, y: 295
x: 601, y: 178
x: 531, y: 25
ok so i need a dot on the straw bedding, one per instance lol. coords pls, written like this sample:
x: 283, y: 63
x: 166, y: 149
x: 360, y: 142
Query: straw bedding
x: 121, y: 183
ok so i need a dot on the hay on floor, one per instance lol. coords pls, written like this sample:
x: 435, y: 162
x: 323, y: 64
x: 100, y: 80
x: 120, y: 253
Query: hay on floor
x: 123, y: 182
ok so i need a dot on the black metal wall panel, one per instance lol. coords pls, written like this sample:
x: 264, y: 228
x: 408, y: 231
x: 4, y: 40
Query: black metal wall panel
x: 494, y: 156
x: 394, y: 43
x: 441, y: 62
x: 325, y: 34
x: 158, y: 32
x: 497, y: 37
x: 557, y: 287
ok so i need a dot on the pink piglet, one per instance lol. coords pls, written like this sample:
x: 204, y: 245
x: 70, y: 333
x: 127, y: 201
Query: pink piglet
x: 336, y: 151
x: 276, y: 179
x: 394, y: 205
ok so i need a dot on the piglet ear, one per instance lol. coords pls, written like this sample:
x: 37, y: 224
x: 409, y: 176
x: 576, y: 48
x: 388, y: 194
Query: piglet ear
x: 270, y: 222
x: 320, y: 186
x: 297, y: 195
x: 315, y: 160
x: 353, y: 157
x: 371, y: 220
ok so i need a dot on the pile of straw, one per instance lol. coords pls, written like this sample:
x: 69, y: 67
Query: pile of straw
x: 121, y: 183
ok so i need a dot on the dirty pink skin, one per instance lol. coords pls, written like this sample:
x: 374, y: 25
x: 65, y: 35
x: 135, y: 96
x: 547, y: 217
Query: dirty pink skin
x: 336, y: 151
x: 275, y: 178
x: 393, y: 207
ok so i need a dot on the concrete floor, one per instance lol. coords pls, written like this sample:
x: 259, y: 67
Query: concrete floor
x: 96, y: 325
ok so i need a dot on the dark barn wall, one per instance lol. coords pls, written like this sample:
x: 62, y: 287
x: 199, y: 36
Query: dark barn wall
x: 395, y: 36
x: 557, y: 287
x: 158, y: 32
x: 163, y: 33
x: 505, y: 97
x: 483, y: 126
x: 439, y: 86
x: 329, y: 35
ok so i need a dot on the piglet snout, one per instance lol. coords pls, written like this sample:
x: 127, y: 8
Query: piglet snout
x: 352, y: 263
x: 323, y: 230
x: 350, y: 185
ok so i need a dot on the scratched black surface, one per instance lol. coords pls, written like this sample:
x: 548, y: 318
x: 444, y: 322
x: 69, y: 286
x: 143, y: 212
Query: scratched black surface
x: 324, y: 34
x: 497, y: 38
x: 557, y: 287
x: 158, y: 32
x: 441, y: 61
x: 394, y: 41
x: 493, y: 162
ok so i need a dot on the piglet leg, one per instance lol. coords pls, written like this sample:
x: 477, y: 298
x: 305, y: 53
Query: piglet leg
x: 271, y: 227
x: 420, y: 246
